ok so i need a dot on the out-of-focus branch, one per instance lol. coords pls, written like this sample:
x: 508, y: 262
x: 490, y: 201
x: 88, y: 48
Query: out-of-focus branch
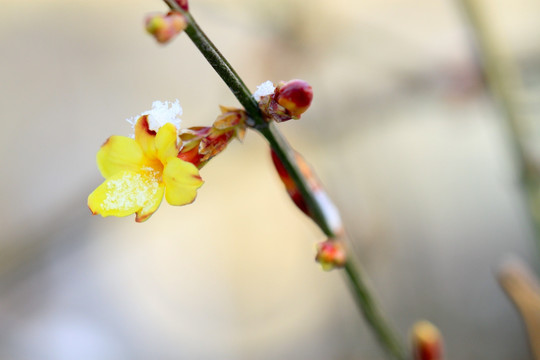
x: 503, y: 81
x: 522, y: 287
x: 502, y: 78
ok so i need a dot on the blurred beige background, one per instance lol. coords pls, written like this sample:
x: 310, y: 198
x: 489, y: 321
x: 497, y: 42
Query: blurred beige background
x: 400, y: 132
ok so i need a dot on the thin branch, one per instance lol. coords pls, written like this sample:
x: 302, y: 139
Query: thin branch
x: 371, y: 312
x: 244, y: 96
x: 284, y: 151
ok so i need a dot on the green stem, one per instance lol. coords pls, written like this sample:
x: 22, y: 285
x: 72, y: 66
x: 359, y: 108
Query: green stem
x: 369, y: 308
x: 278, y: 143
x: 286, y: 154
x: 220, y: 65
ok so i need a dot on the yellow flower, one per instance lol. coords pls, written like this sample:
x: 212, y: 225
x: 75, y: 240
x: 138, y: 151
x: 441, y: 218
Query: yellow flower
x: 138, y: 172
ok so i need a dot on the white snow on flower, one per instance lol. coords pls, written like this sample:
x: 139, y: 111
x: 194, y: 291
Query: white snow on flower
x: 266, y: 88
x: 161, y: 114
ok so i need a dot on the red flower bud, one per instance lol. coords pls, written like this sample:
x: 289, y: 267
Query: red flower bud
x: 426, y: 342
x: 289, y: 183
x: 328, y: 209
x: 295, y: 96
x: 183, y: 4
x: 288, y: 101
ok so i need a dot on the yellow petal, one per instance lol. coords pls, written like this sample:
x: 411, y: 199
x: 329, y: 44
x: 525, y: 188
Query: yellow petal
x: 125, y: 193
x: 119, y: 153
x: 145, y: 137
x: 165, y: 142
x: 181, y: 180
x: 152, y: 205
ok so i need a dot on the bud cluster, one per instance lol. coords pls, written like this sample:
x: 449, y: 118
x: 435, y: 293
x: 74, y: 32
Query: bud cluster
x: 202, y: 143
x: 288, y: 101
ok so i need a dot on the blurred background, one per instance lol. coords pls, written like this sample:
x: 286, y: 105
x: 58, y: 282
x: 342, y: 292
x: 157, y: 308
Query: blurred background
x: 401, y: 131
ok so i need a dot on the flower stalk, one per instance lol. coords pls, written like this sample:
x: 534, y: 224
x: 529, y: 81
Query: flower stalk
x: 356, y: 280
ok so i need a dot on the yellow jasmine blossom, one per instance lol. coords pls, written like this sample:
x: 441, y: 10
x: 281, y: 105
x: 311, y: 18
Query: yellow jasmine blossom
x: 138, y: 172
